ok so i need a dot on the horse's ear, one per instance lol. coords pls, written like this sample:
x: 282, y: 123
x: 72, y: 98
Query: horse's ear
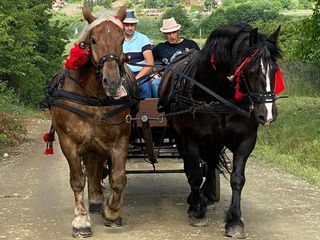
x: 253, y: 38
x: 274, y: 36
x: 87, y: 15
x: 122, y: 13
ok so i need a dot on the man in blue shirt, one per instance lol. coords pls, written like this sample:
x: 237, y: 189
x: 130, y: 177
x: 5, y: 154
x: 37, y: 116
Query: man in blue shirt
x: 137, y: 48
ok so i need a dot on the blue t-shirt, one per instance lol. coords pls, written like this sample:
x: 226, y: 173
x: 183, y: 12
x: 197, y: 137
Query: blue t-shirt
x: 134, y: 49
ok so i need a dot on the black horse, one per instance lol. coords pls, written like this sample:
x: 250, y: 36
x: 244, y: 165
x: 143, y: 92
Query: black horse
x: 237, y: 66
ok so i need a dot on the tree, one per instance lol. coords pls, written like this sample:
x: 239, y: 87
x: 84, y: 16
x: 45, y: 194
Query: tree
x: 30, y: 46
x: 307, y: 47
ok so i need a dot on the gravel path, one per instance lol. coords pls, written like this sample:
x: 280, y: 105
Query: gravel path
x: 36, y: 201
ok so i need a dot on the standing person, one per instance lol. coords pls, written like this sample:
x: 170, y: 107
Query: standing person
x: 165, y: 52
x: 137, y: 48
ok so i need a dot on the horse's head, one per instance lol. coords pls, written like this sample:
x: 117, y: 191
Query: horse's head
x: 259, y: 74
x: 104, y: 38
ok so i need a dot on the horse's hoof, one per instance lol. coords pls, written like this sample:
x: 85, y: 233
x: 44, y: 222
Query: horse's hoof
x: 198, y: 222
x: 81, y: 232
x: 235, y: 231
x: 95, y: 208
x: 113, y: 224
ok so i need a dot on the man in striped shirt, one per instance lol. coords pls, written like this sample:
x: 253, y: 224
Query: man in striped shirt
x: 137, y: 48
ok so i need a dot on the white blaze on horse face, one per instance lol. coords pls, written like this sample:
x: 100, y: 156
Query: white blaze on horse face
x: 266, y: 72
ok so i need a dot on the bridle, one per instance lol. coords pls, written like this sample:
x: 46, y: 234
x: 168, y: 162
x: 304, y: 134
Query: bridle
x: 106, y: 58
x: 237, y: 77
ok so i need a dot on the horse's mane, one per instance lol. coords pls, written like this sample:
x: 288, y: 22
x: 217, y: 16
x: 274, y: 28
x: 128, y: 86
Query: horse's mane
x: 224, y: 41
x: 101, y: 17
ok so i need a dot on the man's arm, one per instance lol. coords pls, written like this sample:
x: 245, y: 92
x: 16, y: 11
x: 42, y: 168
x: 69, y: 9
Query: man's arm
x: 149, y: 61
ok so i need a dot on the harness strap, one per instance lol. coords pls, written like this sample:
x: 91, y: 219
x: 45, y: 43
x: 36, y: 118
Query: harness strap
x: 73, y: 109
x: 84, y: 100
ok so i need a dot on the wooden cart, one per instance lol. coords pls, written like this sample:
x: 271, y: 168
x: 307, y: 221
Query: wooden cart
x: 152, y: 138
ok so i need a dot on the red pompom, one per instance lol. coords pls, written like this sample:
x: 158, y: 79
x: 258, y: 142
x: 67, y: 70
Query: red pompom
x: 48, y: 137
x: 45, y: 137
x: 238, y: 96
x: 48, y: 151
x: 78, y: 57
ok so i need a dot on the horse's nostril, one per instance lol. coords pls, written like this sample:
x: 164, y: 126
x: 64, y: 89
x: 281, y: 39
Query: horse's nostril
x: 261, y: 118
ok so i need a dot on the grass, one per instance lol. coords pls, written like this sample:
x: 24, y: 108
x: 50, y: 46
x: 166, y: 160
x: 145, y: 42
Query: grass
x: 292, y: 142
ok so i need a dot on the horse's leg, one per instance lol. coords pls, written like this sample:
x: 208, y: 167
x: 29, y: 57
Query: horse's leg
x: 94, y: 168
x: 234, y: 226
x: 211, y: 156
x: 118, y: 181
x: 81, y: 225
x: 197, y: 207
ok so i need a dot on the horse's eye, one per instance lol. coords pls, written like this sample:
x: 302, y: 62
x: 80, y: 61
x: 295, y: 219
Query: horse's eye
x: 92, y: 41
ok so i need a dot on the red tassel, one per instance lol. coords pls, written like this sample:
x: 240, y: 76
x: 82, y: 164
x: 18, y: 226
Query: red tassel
x: 238, y: 96
x: 278, y: 82
x: 45, y: 137
x: 78, y: 58
x: 49, y: 138
x: 48, y: 151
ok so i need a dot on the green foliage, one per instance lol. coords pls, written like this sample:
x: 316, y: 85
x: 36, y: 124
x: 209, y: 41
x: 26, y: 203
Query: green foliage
x: 68, y: 23
x: 150, y: 27
x: 152, y: 4
x: 288, y: 35
x: 30, y: 47
x: 308, y: 37
x: 105, y: 3
x: 248, y: 12
x: 216, y: 19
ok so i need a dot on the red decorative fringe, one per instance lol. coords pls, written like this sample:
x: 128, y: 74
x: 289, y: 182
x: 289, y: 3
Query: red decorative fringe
x: 78, y: 57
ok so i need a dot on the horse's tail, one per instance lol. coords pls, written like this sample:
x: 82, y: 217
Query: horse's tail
x: 224, y: 164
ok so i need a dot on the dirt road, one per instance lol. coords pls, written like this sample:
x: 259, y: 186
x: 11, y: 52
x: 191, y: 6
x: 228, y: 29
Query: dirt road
x: 36, y: 201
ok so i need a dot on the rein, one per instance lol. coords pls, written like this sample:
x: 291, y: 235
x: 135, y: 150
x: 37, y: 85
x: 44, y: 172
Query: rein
x: 201, y: 86
x: 239, y: 69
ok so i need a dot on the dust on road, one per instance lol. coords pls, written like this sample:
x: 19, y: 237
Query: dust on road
x: 36, y: 201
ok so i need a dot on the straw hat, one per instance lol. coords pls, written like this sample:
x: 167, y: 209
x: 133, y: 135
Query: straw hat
x: 169, y: 25
x: 130, y: 17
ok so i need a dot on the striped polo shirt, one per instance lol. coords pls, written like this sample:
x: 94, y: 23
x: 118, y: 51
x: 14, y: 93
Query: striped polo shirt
x: 134, y: 48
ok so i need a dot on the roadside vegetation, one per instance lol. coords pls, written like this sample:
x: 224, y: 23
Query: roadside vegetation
x: 35, y: 41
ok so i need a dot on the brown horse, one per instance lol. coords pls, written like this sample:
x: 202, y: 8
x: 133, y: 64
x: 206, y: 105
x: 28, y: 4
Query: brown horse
x: 89, y: 116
